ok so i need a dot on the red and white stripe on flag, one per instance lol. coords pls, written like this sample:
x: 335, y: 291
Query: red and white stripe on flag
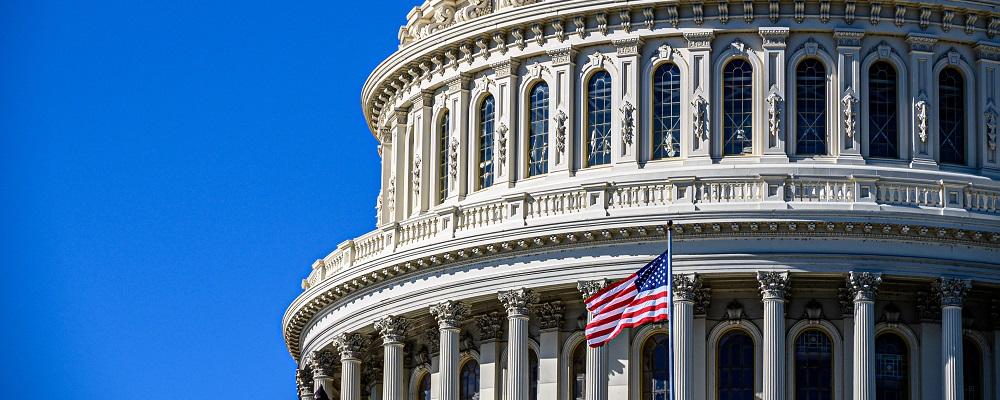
x: 641, y: 298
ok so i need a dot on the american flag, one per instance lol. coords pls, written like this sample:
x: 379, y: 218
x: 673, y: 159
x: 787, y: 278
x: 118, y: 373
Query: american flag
x: 642, y: 297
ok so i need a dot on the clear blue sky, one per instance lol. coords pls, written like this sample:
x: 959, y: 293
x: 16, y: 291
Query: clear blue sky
x: 169, y: 170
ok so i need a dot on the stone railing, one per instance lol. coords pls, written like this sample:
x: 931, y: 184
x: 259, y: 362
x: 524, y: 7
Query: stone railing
x: 435, y: 15
x: 536, y: 209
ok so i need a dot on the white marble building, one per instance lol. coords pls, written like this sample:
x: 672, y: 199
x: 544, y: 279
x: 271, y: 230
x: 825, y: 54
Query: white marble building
x: 831, y: 167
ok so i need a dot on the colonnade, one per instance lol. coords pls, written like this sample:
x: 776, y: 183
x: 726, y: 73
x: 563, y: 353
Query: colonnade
x: 774, y: 287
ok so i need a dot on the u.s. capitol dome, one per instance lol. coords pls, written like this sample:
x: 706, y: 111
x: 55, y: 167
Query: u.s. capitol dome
x: 831, y: 169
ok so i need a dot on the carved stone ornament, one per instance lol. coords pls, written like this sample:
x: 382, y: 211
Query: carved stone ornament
x: 560, y: 120
x: 417, y: 165
x: 550, y: 315
x: 700, y: 110
x: 845, y: 301
x: 734, y: 311
x: 990, y: 118
x: 490, y: 326
x: 774, y: 111
x: 628, y: 123
x: 891, y: 313
x: 589, y: 288
x: 378, y: 208
x: 849, y: 101
x: 453, y: 158
x: 665, y: 52
x: 518, y: 301
x: 392, y: 328
x: 304, y: 381
x: 598, y: 59
x: 390, y: 196
x: 928, y: 306
x: 535, y: 70
x: 476, y: 9
x: 322, y: 362
x: 952, y: 291
x: 351, y: 345
x: 920, y: 112
x: 814, y: 311
x: 740, y: 46
x: 432, y: 339
x: 449, y: 313
x: 685, y: 287
x: 773, y: 284
x: 502, y: 143
x: 863, y: 285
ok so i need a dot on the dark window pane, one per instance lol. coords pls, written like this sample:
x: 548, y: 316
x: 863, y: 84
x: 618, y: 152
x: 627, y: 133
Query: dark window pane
x: 736, y: 367
x: 891, y: 368
x: 737, y: 108
x: 951, y: 97
x: 666, y: 111
x: 813, y: 366
x: 972, y: 370
x: 443, y: 131
x: 599, y: 119
x: 810, y: 108
x: 655, y: 382
x: 579, y: 372
x: 486, y: 143
x: 538, y: 140
x: 468, y: 381
x: 883, y: 121
x: 424, y: 392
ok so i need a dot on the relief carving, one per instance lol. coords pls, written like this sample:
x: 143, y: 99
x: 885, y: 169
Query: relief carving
x: 849, y: 101
x: 628, y: 123
x: 774, y: 111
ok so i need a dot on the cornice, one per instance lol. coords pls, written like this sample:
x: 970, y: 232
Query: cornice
x: 328, y: 292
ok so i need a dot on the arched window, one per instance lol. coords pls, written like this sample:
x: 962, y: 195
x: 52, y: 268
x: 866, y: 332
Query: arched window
x: 883, y: 119
x: 810, y: 107
x: 737, y: 108
x: 599, y: 119
x: 424, y: 387
x: 468, y: 381
x: 486, y: 143
x: 443, y: 131
x: 538, y: 140
x: 951, y: 110
x: 655, y: 384
x: 666, y: 111
x: 532, y: 375
x: 578, y: 371
x: 891, y: 367
x: 813, y: 366
x: 735, y: 373
x: 972, y: 369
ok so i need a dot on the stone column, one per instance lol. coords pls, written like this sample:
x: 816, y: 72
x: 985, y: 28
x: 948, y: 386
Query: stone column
x: 550, y: 319
x: 625, y: 140
x: 864, y: 286
x: 517, y: 303
x: 351, y: 347
x: 923, y: 148
x: 773, y: 287
x: 449, y: 315
x: 775, y: 139
x: 322, y: 363
x: 561, y: 141
x: 685, y: 289
x: 848, y: 131
x: 393, y: 330
x: 490, y: 331
x: 596, y: 383
x: 952, y: 292
x: 304, y: 383
x: 699, y: 50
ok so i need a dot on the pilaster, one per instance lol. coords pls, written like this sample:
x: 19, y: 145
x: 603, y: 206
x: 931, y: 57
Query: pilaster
x: 490, y: 333
x: 550, y: 319
x: 423, y: 158
x: 458, y: 108
x: 562, y: 144
x: 988, y: 104
x: 774, y: 83
x: 398, y: 181
x: 923, y: 137
x: 848, y: 94
x: 773, y: 288
x: 625, y: 140
x: 699, y: 52
x: 505, y: 133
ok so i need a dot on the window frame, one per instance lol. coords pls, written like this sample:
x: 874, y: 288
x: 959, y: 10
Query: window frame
x: 585, y: 115
x: 651, y: 144
x: 752, y: 114
x: 529, y: 127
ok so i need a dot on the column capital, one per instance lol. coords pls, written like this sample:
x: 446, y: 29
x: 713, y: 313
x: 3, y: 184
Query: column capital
x: 449, y: 313
x: 952, y: 291
x: 849, y: 37
x: 322, y: 362
x: 503, y: 68
x: 700, y: 40
x: 490, y: 326
x: 550, y: 314
x: 863, y: 285
x: 774, y: 37
x: 921, y: 43
x: 589, y: 288
x: 304, y: 382
x: 562, y: 56
x: 628, y: 46
x: 351, y: 345
x: 517, y: 301
x: 686, y: 286
x: 392, y: 328
x: 773, y: 284
x: 989, y: 51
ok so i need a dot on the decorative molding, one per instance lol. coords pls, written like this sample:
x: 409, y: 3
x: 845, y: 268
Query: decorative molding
x: 517, y: 301
x: 699, y: 120
x: 848, y: 38
x: 453, y: 158
x: 502, y: 142
x: 990, y: 122
x: 322, y: 362
x: 849, y: 102
x: 627, y: 47
x: 773, y: 284
x: 490, y: 326
x: 550, y: 314
x: 560, y: 120
x: 628, y: 123
x: 774, y: 103
x: 921, y: 43
x: 449, y: 313
x: 928, y: 306
x: 598, y: 59
x: 774, y: 37
x: 863, y: 285
x: 417, y: 166
x: 562, y: 56
x: 920, y: 113
x: 392, y: 328
x: 590, y: 288
x: 699, y: 40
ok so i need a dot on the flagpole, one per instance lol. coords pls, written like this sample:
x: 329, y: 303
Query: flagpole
x: 670, y: 298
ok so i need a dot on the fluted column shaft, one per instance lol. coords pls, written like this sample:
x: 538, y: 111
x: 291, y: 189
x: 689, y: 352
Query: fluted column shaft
x: 517, y: 303
x: 350, y: 378
x: 685, y: 291
x: 864, y: 286
x: 449, y: 314
x: 773, y: 286
x: 952, y: 293
x: 595, y: 385
x: 393, y: 330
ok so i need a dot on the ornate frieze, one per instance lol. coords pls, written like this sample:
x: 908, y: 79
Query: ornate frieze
x: 863, y: 285
x: 589, y: 288
x: 392, y: 328
x: 550, y: 314
x: 921, y: 43
x: 627, y: 47
x: 323, y: 362
x: 988, y: 51
x: 561, y: 56
x: 449, y: 313
x: 773, y: 284
x: 952, y: 291
x: 490, y: 326
x: 351, y: 345
x: 518, y: 301
x: 848, y: 38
